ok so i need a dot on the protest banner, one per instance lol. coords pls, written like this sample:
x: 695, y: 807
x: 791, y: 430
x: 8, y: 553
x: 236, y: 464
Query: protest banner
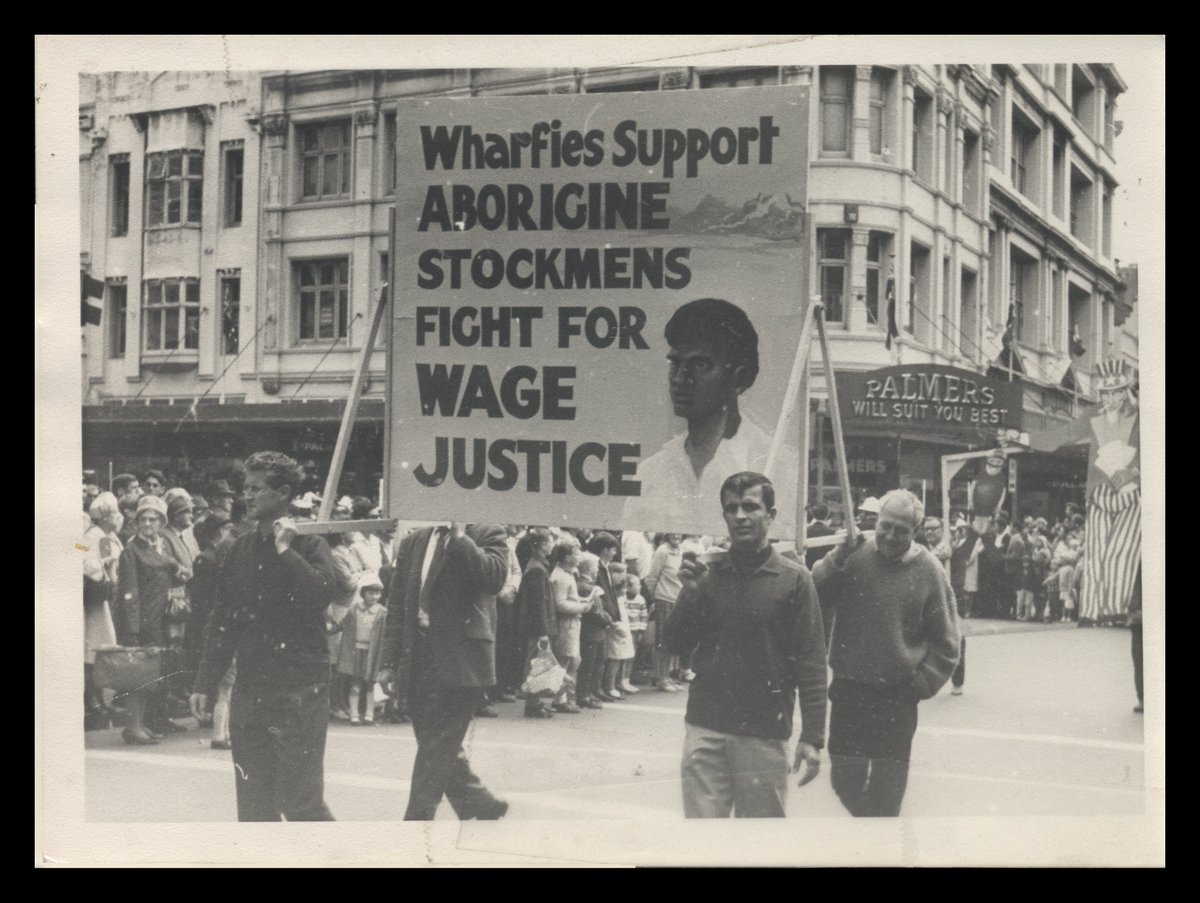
x: 543, y: 247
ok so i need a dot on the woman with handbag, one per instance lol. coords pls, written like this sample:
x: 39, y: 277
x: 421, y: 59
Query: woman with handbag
x: 147, y: 571
x: 99, y: 582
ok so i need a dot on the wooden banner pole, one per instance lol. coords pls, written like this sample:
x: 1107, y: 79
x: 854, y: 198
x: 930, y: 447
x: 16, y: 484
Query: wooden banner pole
x: 351, y: 411
x: 799, y: 365
x: 835, y: 415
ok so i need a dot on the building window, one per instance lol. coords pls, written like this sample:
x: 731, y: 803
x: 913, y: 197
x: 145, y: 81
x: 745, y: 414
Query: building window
x: 1023, y: 162
x: 118, y: 181
x: 389, y: 153
x: 231, y: 305
x: 172, y: 314
x: 1060, y: 79
x: 967, y: 306
x: 877, y: 242
x: 1106, y: 222
x: 740, y: 78
x: 325, y: 154
x: 1054, y: 320
x: 234, y: 158
x: 918, y: 293
x: 948, y: 156
x: 837, y: 87
x: 832, y: 245
x: 1110, y: 110
x: 922, y: 136
x: 1022, y: 291
x: 1081, y: 206
x: 648, y: 84
x: 881, y: 89
x: 946, y: 336
x: 1058, y: 165
x: 174, y: 188
x: 970, y: 172
x: 1083, y: 99
x: 118, y: 309
x: 323, y: 289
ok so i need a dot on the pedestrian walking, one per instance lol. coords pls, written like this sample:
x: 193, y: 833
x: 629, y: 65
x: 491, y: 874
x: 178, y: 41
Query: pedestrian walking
x: 272, y: 592
x: 751, y: 621
x: 894, y: 641
x: 439, y: 657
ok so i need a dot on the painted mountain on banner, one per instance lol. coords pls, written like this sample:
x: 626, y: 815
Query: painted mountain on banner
x: 775, y: 216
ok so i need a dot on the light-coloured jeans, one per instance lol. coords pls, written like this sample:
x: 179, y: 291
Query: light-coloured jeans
x: 733, y: 772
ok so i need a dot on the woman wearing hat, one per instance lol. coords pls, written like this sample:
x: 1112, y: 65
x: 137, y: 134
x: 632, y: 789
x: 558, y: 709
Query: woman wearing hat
x: 99, y: 582
x: 146, y: 573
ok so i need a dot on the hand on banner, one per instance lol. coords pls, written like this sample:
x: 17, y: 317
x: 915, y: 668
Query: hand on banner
x: 691, y: 572
x: 808, y: 758
x: 846, y: 548
x: 457, y: 530
x: 285, y: 532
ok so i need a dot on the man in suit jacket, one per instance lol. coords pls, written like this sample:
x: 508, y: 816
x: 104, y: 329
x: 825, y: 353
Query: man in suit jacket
x: 439, y: 656
x: 819, y: 526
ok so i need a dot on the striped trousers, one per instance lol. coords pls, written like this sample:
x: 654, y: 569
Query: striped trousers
x: 1112, y: 551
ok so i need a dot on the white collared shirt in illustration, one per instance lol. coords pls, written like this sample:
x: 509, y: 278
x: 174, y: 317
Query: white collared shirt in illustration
x: 675, y: 500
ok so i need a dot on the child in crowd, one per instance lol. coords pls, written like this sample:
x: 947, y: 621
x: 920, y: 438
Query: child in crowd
x: 586, y: 572
x: 568, y: 608
x: 1062, y: 573
x: 639, y: 622
x: 619, y: 642
x: 362, y: 644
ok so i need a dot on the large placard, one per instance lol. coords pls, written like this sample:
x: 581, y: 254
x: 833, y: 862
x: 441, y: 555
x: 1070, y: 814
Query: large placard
x: 545, y: 247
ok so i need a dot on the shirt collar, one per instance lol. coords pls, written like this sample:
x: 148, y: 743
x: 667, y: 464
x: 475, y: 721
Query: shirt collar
x: 769, y: 565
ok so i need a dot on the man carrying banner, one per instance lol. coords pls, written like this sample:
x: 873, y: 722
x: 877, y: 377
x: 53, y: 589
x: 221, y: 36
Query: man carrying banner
x: 713, y: 360
x: 439, y: 655
x: 272, y: 591
x: 751, y: 620
x: 895, y: 641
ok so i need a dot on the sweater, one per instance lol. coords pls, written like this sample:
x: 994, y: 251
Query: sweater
x: 891, y: 623
x: 756, y: 638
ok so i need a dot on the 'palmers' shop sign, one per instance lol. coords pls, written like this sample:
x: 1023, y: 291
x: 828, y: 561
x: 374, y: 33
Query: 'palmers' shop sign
x: 929, y: 395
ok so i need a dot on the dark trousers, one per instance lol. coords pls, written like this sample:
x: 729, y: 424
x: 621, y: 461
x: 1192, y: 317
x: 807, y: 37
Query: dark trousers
x: 1135, y: 648
x: 591, y: 664
x: 870, y: 740
x: 279, y: 752
x: 440, y: 716
x: 509, y: 648
x: 959, y: 677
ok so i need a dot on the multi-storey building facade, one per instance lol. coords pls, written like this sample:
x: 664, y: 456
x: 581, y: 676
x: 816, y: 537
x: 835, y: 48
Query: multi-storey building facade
x: 239, y: 222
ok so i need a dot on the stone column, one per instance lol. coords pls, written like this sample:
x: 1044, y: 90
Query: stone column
x: 856, y: 282
x: 860, y: 146
x: 272, y: 280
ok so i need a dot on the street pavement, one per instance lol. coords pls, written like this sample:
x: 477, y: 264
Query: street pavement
x: 1045, y: 728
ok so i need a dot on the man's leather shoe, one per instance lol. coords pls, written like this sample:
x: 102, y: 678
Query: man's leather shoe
x: 220, y: 744
x: 567, y: 707
x: 485, y: 712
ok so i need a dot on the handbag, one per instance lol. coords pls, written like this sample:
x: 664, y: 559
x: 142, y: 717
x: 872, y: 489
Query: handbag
x: 129, y: 668
x: 95, y: 591
x: 546, y: 675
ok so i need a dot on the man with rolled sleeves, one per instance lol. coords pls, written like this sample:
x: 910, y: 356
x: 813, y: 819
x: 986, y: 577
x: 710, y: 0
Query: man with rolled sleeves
x: 888, y: 604
x: 751, y: 620
x: 272, y: 591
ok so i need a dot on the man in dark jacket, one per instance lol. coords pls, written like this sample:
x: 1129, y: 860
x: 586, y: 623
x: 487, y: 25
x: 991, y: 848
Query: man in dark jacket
x: 751, y: 620
x: 536, y: 620
x: 272, y: 591
x: 818, y: 526
x: 439, y: 656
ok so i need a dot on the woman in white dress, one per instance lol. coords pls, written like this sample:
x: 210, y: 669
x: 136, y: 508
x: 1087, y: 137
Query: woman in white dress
x: 103, y: 551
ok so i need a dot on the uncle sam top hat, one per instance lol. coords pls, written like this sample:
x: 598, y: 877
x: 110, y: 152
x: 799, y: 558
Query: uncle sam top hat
x: 1112, y: 374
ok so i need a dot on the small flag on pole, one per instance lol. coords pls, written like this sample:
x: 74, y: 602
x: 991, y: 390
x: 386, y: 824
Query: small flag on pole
x: 893, y: 331
x: 89, y: 314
